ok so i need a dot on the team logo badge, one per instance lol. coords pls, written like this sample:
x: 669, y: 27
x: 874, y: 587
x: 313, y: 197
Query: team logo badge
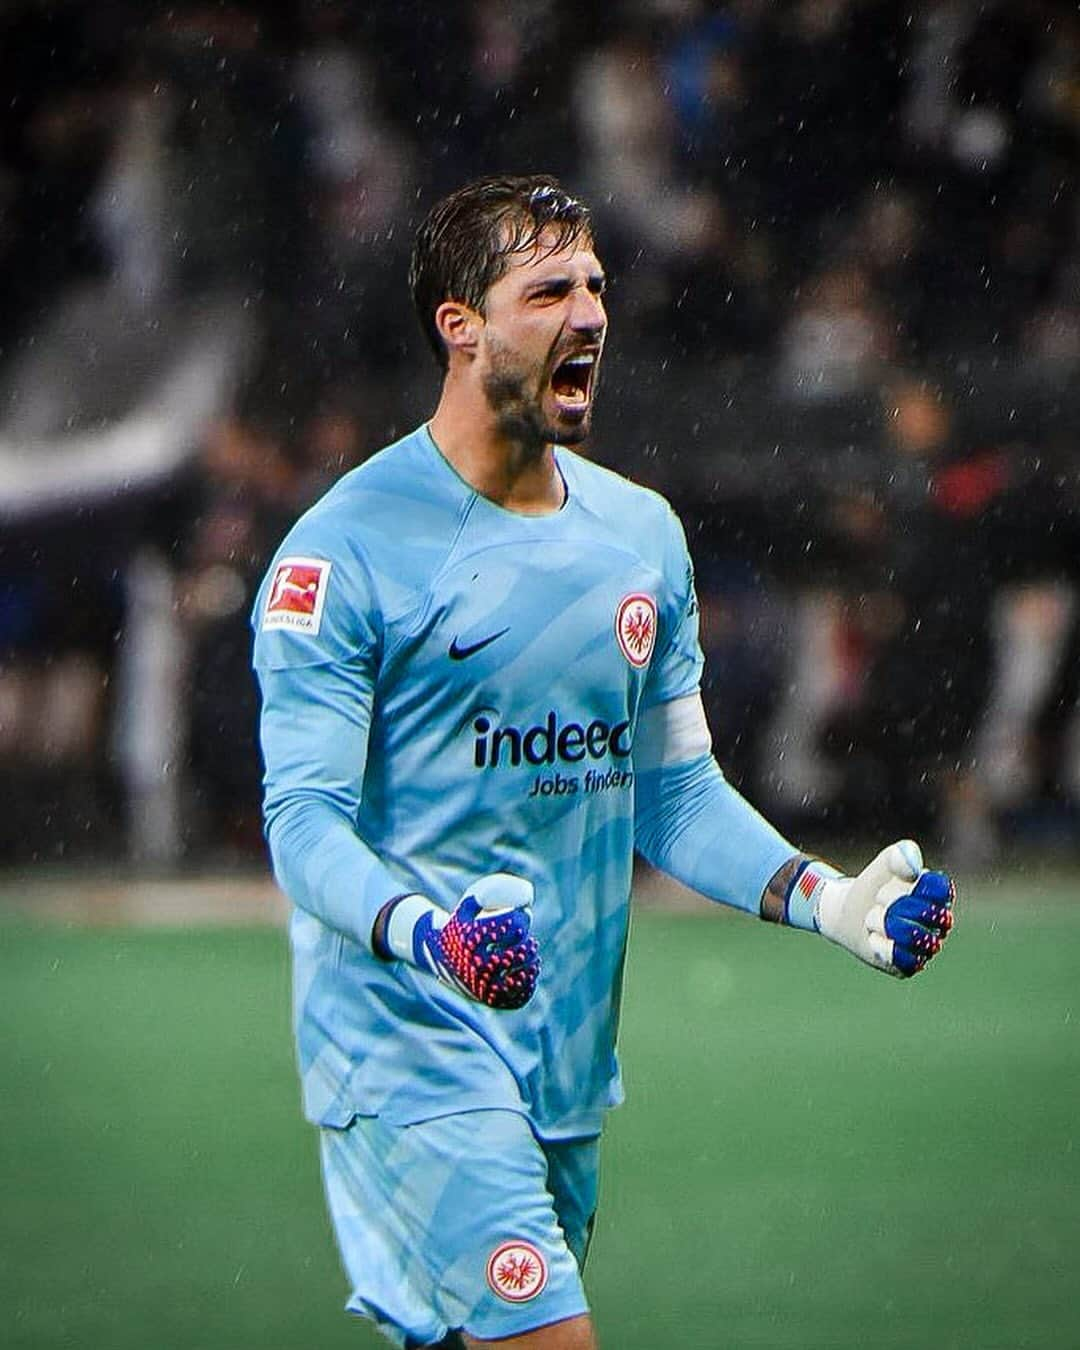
x: 635, y: 627
x: 297, y: 595
x: 516, y: 1271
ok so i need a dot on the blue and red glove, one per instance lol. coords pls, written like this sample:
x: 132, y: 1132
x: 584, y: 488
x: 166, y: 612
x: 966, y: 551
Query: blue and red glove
x: 484, y: 948
x: 894, y: 915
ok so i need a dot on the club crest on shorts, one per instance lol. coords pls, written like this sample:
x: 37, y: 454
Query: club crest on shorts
x: 516, y: 1271
x: 635, y: 627
x: 297, y: 595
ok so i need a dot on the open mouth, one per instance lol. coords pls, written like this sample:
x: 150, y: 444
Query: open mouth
x: 572, y: 381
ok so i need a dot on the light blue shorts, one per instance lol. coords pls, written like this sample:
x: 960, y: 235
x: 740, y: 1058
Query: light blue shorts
x: 464, y: 1222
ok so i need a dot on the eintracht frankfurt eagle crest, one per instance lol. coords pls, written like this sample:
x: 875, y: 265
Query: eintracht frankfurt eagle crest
x: 635, y: 627
x: 516, y: 1271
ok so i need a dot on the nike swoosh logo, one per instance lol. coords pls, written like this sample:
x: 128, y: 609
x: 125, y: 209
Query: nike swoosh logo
x: 460, y: 653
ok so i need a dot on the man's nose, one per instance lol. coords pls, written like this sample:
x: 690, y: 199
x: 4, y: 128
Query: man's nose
x: 587, y: 315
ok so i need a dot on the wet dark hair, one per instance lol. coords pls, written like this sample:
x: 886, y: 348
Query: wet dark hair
x: 468, y: 239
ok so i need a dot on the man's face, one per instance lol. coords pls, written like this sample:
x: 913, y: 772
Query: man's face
x: 541, y: 343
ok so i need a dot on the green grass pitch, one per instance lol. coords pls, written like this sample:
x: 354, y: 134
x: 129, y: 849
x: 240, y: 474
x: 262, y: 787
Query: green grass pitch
x: 811, y: 1155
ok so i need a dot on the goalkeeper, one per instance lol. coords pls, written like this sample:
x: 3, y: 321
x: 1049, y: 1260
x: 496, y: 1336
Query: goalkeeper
x: 480, y: 673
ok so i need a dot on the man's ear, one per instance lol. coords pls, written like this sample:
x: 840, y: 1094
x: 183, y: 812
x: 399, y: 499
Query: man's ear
x: 458, y: 325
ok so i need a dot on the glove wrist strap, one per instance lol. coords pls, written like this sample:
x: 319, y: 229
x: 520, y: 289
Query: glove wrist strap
x: 804, y: 893
x: 402, y: 923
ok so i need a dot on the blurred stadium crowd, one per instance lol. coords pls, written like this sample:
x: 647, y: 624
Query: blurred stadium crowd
x: 844, y: 244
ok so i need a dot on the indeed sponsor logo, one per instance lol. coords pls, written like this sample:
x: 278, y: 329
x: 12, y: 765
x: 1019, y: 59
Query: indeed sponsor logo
x: 548, y: 742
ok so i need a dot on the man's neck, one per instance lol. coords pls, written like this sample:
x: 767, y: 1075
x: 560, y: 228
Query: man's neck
x: 516, y: 477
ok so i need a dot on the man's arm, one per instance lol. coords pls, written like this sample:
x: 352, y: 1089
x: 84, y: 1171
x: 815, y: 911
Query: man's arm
x: 314, y: 733
x: 693, y: 825
x: 315, y: 726
x: 690, y: 822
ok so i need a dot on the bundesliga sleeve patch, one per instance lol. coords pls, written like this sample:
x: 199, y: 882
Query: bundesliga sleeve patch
x: 297, y: 595
x: 517, y: 1272
x: 635, y: 627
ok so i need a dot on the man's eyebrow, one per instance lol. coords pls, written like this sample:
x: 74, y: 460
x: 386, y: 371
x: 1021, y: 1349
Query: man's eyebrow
x: 563, y: 281
x: 557, y: 281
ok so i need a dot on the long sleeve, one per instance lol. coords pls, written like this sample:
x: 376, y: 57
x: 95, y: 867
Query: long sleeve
x: 689, y: 821
x: 692, y: 824
x: 318, y: 644
x: 314, y: 734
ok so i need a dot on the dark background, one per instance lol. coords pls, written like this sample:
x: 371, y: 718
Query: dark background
x: 844, y: 245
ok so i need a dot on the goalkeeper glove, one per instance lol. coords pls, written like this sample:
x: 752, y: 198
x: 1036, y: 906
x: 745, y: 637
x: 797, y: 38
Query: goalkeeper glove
x: 483, y: 949
x: 894, y: 915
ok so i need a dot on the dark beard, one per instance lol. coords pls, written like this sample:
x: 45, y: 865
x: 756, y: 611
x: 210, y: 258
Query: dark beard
x: 519, y: 416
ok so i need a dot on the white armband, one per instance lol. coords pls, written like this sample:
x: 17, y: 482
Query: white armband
x: 670, y: 733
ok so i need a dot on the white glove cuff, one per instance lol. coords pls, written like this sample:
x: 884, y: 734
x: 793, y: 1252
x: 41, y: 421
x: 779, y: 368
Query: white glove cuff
x: 405, y: 915
x: 803, y: 898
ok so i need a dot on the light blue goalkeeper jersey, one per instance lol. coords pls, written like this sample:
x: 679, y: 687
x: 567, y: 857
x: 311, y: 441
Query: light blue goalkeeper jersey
x: 451, y: 689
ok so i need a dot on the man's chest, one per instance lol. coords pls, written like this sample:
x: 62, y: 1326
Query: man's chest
x: 517, y: 633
